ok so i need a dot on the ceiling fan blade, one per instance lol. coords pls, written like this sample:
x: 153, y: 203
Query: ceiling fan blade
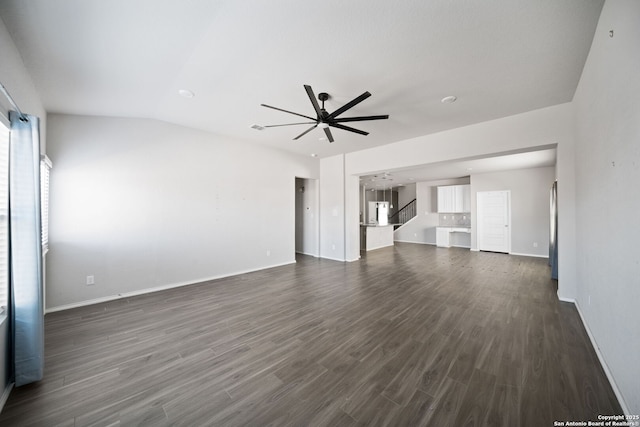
x: 350, y: 129
x: 360, y: 119
x: 306, y: 132
x: 289, y: 124
x: 327, y: 132
x: 285, y: 111
x: 349, y: 104
x: 312, y: 97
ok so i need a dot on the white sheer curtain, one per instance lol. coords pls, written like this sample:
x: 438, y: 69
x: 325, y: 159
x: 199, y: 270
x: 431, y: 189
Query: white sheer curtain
x: 27, y: 319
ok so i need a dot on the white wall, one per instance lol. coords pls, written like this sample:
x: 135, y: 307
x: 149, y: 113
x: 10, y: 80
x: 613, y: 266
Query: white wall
x: 307, y: 218
x: 14, y: 76
x: 529, y: 206
x: 351, y: 205
x: 332, y: 208
x: 141, y: 204
x: 607, y: 128
x: 406, y: 194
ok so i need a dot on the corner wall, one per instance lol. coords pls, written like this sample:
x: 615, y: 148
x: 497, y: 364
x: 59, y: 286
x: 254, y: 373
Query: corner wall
x: 142, y: 205
x: 607, y: 129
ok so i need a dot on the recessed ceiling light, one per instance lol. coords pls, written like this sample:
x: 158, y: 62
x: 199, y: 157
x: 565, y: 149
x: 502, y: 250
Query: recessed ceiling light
x: 322, y: 138
x: 186, y: 93
x: 469, y: 169
x: 448, y: 99
x: 314, y: 155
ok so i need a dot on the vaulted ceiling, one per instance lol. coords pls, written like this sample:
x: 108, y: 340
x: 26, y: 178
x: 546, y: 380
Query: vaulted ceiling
x: 130, y: 58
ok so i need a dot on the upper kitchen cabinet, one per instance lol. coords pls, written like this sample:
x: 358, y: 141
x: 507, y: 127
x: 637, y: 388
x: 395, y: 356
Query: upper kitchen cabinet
x: 454, y: 199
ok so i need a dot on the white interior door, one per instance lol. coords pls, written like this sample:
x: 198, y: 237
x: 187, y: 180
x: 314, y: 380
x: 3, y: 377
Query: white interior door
x: 494, y: 221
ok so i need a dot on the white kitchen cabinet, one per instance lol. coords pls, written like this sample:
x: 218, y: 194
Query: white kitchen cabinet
x: 446, y: 197
x: 454, y: 199
x: 442, y: 237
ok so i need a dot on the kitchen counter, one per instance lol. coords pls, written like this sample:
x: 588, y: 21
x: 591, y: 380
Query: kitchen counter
x: 375, y: 236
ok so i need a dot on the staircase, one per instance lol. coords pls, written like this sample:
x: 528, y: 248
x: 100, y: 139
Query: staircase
x: 403, y: 215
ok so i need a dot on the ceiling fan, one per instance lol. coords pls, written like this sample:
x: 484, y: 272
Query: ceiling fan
x: 325, y: 119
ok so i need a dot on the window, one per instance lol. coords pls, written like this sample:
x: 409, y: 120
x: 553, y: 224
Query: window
x: 4, y: 217
x: 45, y: 167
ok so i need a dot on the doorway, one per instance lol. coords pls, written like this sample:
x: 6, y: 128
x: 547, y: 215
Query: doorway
x: 494, y: 221
x: 306, y: 217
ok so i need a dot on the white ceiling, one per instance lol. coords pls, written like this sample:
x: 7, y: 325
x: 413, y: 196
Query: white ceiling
x: 461, y: 168
x: 130, y: 57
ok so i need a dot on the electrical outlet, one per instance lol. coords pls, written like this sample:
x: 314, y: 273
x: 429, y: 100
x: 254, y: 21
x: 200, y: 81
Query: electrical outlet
x: 268, y: 252
x: 535, y: 244
x: 333, y: 247
x: 589, y: 299
x: 91, y: 280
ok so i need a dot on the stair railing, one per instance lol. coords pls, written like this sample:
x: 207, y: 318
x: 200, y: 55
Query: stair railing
x: 404, y: 214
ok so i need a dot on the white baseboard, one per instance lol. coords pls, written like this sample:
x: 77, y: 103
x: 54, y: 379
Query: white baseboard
x: 531, y: 255
x: 417, y: 243
x: 474, y: 250
x: 5, y: 395
x: 332, y: 259
x: 156, y: 289
x: 603, y: 363
x: 306, y: 253
x: 379, y: 247
x: 571, y: 300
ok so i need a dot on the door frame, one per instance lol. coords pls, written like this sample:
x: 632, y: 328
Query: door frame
x: 479, y: 220
x: 313, y: 226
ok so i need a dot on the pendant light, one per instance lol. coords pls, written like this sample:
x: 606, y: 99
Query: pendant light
x: 391, y: 197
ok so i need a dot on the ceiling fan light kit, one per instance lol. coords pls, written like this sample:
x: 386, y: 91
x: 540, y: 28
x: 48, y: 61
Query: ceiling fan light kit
x: 324, y: 119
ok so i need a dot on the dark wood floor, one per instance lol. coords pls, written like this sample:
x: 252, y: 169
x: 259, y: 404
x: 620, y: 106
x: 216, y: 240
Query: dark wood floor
x: 410, y: 335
